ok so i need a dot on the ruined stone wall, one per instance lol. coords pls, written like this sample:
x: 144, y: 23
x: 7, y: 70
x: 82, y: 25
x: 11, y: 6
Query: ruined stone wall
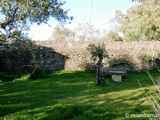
x: 75, y: 56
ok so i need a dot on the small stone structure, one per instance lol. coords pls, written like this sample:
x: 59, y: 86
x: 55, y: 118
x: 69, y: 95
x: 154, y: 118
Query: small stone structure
x: 116, y: 73
x: 110, y: 71
x: 117, y: 78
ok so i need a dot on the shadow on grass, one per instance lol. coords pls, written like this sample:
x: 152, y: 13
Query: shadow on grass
x: 72, y: 95
x: 76, y: 112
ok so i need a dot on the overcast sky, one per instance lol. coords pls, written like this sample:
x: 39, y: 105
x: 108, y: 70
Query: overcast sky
x: 102, y: 12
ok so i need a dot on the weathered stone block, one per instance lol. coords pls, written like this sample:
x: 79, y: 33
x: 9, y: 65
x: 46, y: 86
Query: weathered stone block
x: 117, y: 78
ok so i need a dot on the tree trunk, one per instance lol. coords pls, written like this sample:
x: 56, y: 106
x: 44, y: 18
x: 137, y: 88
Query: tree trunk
x: 99, y: 77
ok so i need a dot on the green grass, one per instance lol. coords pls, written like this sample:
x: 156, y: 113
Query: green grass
x: 73, y: 95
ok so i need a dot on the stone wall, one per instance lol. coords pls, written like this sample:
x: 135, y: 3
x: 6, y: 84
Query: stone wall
x: 75, y: 56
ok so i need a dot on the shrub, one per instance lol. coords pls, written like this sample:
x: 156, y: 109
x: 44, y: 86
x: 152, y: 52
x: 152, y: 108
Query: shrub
x: 38, y: 73
x: 7, y: 76
x: 2, y: 64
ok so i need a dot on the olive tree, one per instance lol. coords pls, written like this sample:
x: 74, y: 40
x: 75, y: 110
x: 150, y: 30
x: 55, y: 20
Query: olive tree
x: 19, y: 15
x: 100, y: 52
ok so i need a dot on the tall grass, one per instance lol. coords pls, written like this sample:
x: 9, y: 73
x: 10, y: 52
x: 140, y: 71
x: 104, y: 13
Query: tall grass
x: 153, y: 97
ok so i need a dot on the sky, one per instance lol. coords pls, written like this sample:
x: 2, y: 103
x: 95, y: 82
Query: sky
x: 102, y: 12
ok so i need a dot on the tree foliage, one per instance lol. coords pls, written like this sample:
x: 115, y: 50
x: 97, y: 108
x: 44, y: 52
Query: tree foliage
x: 141, y: 22
x: 114, y: 33
x: 61, y: 33
x: 147, y: 1
x: 87, y: 32
x: 96, y: 50
x: 19, y: 15
x: 100, y: 52
x: 112, y: 36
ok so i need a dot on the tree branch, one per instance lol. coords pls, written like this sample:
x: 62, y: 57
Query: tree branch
x: 4, y: 24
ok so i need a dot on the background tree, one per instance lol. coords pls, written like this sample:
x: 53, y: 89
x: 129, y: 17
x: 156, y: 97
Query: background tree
x: 20, y: 15
x: 114, y: 33
x: 141, y: 23
x: 100, y: 52
x: 87, y: 32
x: 61, y: 33
x: 147, y: 1
x: 112, y: 36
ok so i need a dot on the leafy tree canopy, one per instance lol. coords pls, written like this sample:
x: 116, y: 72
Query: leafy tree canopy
x: 61, y: 33
x: 19, y: 15
x: 141, y: 22
x: 112, y: 36
x: 114, y: 33
x: 87, y: 32
x: 155, y: 2
x: 97, y: 50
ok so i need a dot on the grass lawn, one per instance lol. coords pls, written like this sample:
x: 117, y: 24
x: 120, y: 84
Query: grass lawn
x: 73, y: 95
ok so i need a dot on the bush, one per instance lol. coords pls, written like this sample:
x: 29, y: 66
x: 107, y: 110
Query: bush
x: 7, y: 76
x: 2, y: 64
x: 38, y: 73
